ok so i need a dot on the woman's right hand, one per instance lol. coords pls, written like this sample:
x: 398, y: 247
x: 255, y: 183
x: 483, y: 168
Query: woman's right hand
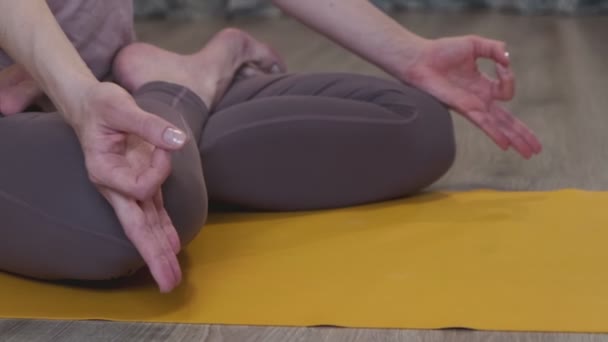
x: 146, y: 223
x: 127, y: 155
x: 126, y: 150
x: 106, y: 117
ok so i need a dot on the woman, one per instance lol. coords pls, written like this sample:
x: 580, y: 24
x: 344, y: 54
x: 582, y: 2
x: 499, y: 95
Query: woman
x: 392, y: 139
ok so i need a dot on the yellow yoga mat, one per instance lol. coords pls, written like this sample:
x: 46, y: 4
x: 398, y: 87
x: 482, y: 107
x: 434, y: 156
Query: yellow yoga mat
x: 482, y: 260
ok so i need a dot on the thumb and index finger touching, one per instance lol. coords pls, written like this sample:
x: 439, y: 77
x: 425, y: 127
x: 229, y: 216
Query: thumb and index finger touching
x: 140, y: 175
x: 503, y: 89
x: 124, y: 175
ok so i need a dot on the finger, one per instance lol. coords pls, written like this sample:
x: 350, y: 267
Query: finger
x: 519, y: 128
x: 162, y: 240
x: 149, y: 181
x: 118, y: 175
x: 471, y: 107
x: 455, y: 97
x: 516, y: 140
x: 491, y: 49
x: 268, y: 59
x: 158, y: 257
x: 167, y: 224
x: 150, y: 213
x: 491, y: 128
x: 247, y: 71
x: 504, y: 88
x: 149, y: 127
x: 155, y: 223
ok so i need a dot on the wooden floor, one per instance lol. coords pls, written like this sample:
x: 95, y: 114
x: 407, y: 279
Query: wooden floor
x: 562, y: 68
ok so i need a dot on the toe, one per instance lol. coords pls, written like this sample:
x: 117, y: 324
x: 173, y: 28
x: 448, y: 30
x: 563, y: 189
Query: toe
x: 16, y: 99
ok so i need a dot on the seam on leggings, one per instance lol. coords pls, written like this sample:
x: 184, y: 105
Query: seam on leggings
x: 351, y: 93
x: 32, y: 209
x: 266, y: 86
x: 325, y: 87
x: 371, y: 99
x: 374, y: 96
x: 286, y: 90
x: 174, y: 92
x: 251, y: 97
x: 178, y: 98
x: 310, y: 118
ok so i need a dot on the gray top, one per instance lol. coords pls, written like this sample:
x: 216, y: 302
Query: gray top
x: 97, y: 28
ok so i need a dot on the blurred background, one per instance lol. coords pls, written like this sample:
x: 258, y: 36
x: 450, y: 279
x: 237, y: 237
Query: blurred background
x: 560, y: 58
x: 193, y: 8
x: 558, y: 51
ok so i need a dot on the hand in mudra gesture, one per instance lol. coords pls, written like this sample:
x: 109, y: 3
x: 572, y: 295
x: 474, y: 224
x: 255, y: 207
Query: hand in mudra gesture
x: 127, y: 154
x: 447, y: 68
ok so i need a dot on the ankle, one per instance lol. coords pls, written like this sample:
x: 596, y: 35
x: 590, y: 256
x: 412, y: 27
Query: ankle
x: 206, y: 91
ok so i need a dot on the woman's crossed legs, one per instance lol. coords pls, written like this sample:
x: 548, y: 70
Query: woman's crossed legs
x: 273, y: 142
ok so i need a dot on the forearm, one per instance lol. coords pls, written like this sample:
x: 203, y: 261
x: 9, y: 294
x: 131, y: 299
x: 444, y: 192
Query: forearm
x: 360, y: 27
x: 30, y: 34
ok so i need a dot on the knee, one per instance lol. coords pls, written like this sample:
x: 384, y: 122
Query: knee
x: 185, y: 195
x: 92, y: 260
x: 91, y: 253
x: 439, y: 140
x: 95, y: 257
x: 114, y: 263
x: 186, y: 202
x: 427, y: 129
x: 429, y: 136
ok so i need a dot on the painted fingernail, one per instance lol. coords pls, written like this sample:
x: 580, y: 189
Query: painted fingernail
x: 174, y: 137
x: 275, y: 69
x: 249, y: 72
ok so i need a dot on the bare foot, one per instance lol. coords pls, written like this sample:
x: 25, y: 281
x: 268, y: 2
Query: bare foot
x: 17, y: 90
x: 208, y: 72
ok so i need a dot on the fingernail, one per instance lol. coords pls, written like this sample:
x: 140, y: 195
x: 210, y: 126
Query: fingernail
x: 249, y: 72
x: 174, y: 137
x: 275, y: 69
x: 507, y: 54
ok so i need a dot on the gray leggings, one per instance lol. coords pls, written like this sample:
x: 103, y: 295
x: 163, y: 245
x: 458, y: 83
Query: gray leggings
x: 289, y: 142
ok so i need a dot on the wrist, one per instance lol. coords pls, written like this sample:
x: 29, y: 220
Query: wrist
x: 70, y: 97
x: 403, y: 65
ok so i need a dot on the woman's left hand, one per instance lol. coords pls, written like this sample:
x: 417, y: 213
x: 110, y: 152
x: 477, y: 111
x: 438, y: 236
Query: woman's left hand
x: 447, y: 69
